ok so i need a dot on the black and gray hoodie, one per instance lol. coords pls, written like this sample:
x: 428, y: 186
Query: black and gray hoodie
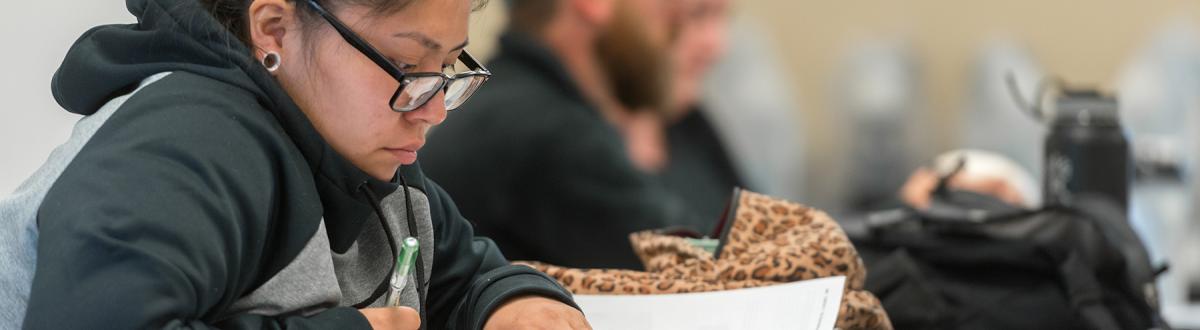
x: 196, y: 194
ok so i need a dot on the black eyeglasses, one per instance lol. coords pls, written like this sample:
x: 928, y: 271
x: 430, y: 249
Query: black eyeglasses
x: 415, y: 88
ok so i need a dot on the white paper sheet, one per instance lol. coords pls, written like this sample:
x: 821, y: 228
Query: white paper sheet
x: 811, y: 304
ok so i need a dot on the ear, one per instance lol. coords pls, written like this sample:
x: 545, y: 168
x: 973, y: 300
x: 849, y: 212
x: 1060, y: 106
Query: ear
x: 269, y: 21
x: 594, y: 12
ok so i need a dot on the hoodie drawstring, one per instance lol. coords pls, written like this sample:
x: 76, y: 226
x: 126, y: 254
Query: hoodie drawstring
x: 419, y: 278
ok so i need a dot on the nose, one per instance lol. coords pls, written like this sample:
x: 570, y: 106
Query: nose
x: 432, y: 112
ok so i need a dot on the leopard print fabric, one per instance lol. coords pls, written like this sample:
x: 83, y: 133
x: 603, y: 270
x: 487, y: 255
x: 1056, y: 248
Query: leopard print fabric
x: 771, y: 241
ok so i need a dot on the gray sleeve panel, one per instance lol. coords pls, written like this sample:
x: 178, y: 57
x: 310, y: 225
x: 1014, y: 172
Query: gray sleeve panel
x: 18, y: 212
x: 165, y: 220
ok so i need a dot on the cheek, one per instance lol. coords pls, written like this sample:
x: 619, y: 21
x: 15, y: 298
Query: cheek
x: 686, y: 91
x: 699, y: 48
x: 347, y: 78
x: 689, y: 57
x: 715, y: 38
x: 352, y: 100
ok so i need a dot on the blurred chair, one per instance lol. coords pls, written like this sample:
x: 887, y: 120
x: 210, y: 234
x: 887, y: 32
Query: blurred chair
x: 750, y: 102
x: 878, y: 95
x: 1159, y: 104
x: 993, y: 120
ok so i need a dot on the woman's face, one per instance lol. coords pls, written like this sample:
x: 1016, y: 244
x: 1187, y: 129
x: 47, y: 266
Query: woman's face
x: 346, y: 95
x: 700, y: 43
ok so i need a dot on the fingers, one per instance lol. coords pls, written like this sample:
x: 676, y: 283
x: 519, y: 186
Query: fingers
x: 920, y: 184
x: 577, y: 321
x: 392, y: 318
x: 916, y: 191
x: 408, y: 318
x: 535, y: 312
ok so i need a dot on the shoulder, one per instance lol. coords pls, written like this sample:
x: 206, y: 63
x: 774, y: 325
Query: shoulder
x: 191, y: 115
x: 187, y: 100
x: 183, y: 132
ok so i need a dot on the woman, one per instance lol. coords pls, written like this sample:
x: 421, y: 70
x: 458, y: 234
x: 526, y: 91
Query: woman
x: 252, y: 164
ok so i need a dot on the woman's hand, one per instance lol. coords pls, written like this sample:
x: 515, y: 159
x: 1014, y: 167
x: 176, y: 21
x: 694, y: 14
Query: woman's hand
x: 918, y: 191
x: 392, y: 318
x: 535, y: 312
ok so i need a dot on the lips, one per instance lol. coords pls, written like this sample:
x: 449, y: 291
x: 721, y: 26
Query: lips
x: 406, y: 154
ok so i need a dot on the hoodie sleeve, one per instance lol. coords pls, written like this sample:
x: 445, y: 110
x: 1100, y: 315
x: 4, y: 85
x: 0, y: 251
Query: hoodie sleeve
x: 160, y: 222
x: 471, y: 278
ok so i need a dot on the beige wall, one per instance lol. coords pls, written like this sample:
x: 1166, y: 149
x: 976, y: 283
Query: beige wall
x: 1086, y: 42
x: 1083, y: 41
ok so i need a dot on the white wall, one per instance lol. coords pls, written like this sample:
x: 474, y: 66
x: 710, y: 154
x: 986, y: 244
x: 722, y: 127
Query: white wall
x: 36, y: 36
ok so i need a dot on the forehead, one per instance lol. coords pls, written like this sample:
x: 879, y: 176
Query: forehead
x: 444, y: 23
x: 703, y: 7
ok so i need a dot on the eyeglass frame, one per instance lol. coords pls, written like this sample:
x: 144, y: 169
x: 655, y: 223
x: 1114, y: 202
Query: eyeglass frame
x: 476, y: 68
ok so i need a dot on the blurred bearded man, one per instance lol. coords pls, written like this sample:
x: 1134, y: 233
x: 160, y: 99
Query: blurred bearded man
x: 538, y: 159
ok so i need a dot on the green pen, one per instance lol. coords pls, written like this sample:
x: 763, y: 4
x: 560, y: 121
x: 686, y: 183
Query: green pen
x: 404, y: 265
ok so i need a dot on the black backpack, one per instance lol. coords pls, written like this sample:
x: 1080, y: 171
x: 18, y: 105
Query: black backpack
x: 973, y: 262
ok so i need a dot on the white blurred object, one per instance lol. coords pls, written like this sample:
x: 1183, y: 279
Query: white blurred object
x: 1158, y: 93
x: 38, y: 34
x: 878, y: 79
x: 750, y: 103
x: 990, y: 165
x: 994, y: 121
x: 809, y: 304
x: 879, y: 97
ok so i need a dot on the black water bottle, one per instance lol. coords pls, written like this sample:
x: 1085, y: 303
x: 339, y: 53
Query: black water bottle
x: 1086, y: 151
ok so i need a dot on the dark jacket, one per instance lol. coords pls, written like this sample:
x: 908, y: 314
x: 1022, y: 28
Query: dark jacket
x: 541, y: 172
x: 208, y: 199
x: 698, y: 167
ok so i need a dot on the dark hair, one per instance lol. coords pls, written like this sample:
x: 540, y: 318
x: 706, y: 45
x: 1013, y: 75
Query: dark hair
x: 531, y: 15
x: 232, y: 14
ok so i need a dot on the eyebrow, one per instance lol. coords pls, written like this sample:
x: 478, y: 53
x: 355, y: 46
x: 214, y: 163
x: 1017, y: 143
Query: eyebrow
x: 427, y: 41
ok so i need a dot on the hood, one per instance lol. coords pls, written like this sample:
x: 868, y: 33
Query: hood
x: 171, y: 35
x: 181, y: 36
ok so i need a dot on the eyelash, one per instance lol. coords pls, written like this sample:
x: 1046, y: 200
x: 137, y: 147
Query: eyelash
x: 403, y: 66
x: 406, y: 67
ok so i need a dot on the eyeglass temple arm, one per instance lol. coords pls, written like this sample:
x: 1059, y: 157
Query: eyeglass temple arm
x: 471, y: 62
x: 362, y: 45
x: 372, y: 53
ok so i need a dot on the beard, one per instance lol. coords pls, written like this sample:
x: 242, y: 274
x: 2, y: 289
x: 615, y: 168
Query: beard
x: 637, y: 67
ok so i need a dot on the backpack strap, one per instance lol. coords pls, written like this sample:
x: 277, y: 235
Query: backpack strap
x: 1083, y: 289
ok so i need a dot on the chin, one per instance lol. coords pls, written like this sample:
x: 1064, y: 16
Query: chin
x: 384, y: 173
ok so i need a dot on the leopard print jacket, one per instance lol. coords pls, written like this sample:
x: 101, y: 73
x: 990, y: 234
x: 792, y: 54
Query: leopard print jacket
x: 771, y: 241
